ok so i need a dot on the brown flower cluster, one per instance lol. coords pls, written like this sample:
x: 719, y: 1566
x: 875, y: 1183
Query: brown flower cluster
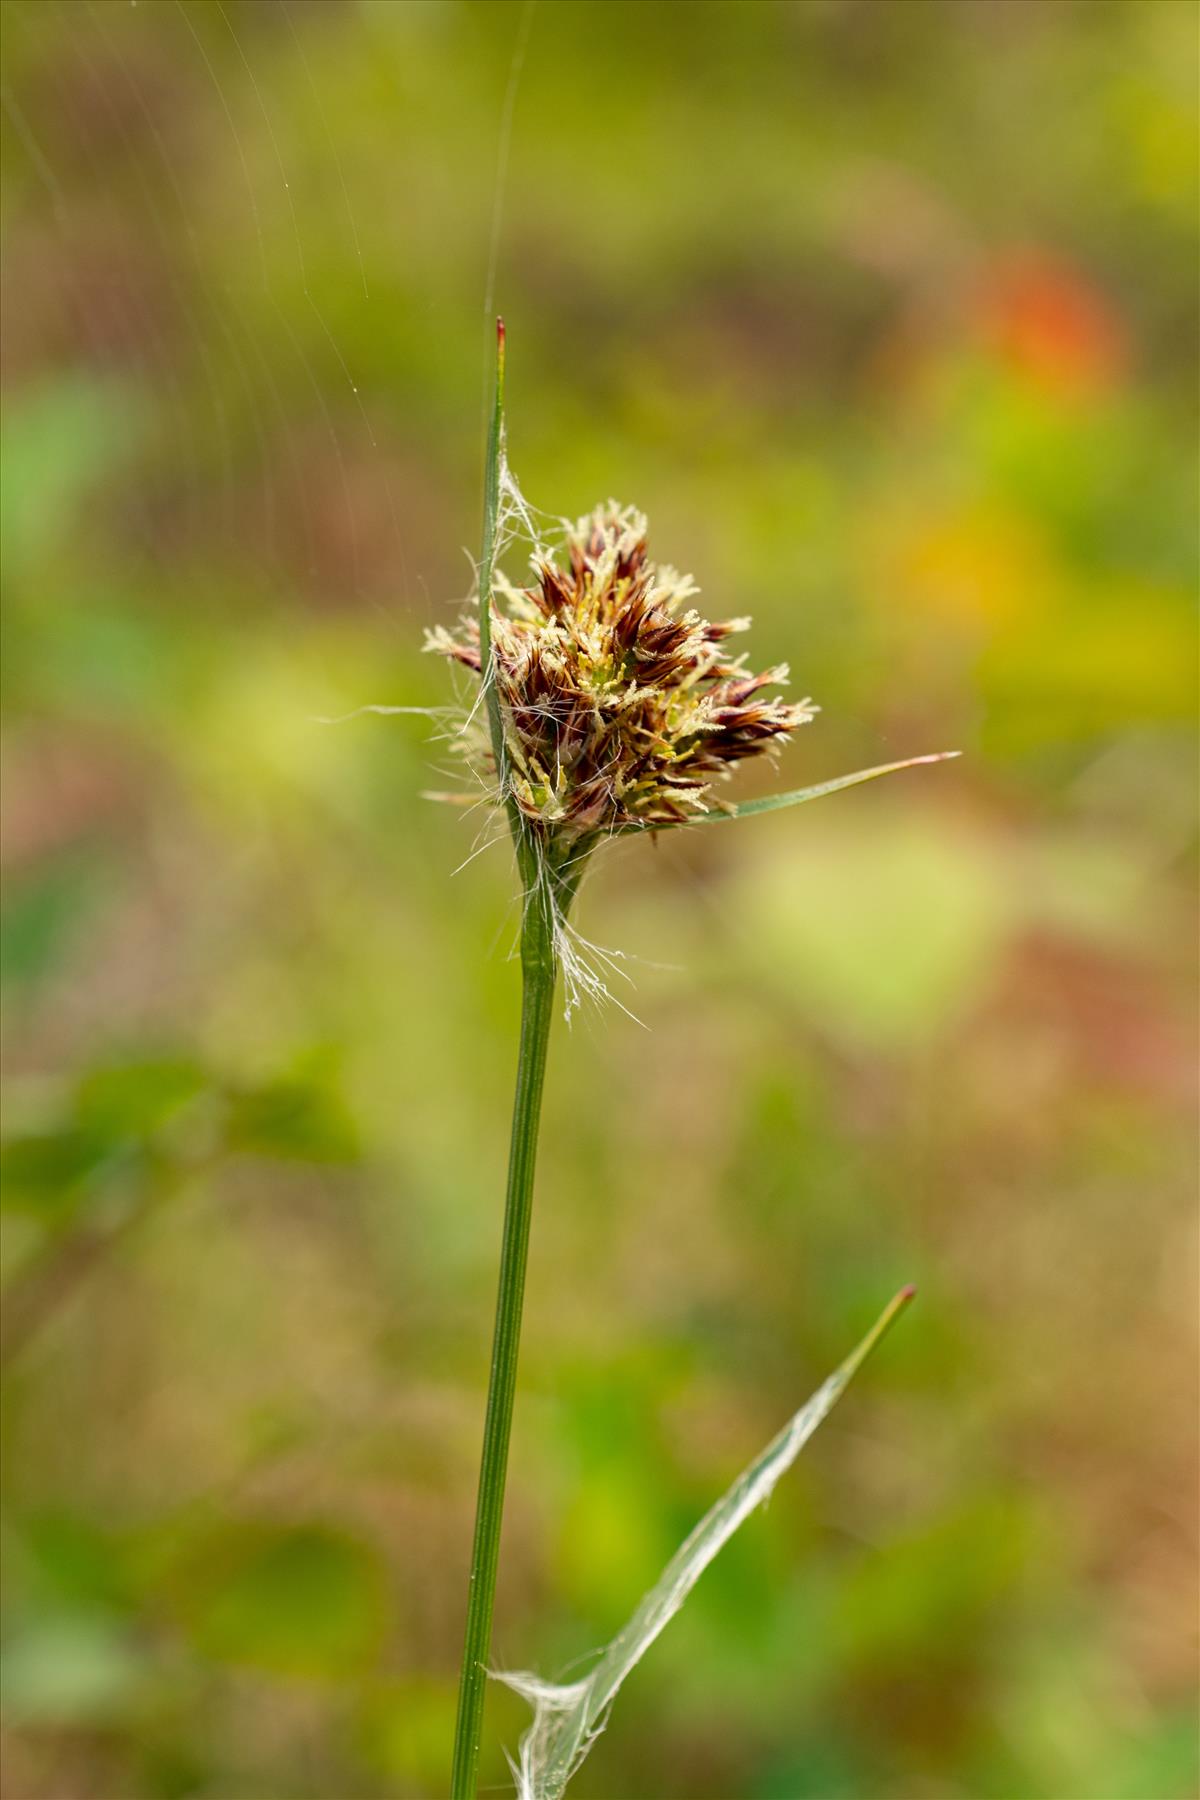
x: 620, y: 706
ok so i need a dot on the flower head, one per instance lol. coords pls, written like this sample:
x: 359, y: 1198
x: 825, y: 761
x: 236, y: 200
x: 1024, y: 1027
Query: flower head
x: 621, y: 707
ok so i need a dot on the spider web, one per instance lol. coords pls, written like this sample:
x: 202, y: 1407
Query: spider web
x: 192, y: 181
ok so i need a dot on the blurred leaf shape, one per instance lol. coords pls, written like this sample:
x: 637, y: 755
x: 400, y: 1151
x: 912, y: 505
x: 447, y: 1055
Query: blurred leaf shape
x: 59, y: 1561
x: 105, y: 1136
x: 300, y: 1599
x: 121, y: 1142
x: 136, y: 1099
x: 45, y: 1173
x: 299, y: 1115
x: 126, y: 1119
x: 44, y: 909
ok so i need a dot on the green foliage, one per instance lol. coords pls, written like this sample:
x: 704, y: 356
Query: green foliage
x: 884, y: 314
x: 298, y: 1599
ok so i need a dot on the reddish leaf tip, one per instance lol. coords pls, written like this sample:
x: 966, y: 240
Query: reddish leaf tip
x: 907, y: 1293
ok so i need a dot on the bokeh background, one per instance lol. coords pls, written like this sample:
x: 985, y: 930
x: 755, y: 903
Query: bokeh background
x: 886, y: 314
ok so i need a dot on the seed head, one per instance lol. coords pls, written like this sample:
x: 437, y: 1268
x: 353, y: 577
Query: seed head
x: 620, y: 705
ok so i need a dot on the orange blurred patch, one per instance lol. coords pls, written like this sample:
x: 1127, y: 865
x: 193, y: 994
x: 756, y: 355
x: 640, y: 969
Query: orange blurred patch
x: 1047, y: 321
x: 981, y: 567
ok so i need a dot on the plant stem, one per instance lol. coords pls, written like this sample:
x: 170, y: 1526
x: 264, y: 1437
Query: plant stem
x: 538, y: 971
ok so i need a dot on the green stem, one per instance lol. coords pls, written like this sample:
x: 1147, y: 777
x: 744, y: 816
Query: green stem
x: 549, y: 892
x: 538, y: 970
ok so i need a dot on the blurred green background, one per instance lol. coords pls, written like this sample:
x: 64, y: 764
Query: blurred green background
x: 885, y: 313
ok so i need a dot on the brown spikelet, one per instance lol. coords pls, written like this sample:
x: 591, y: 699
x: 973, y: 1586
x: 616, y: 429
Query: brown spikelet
x: 619, y: 704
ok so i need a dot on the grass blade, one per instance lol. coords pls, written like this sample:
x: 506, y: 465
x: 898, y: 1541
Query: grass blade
x: 797, y: 796
x: 568, y: 1718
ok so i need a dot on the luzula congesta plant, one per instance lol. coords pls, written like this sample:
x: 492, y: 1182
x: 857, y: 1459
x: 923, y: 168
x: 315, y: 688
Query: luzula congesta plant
x: 611, y: 707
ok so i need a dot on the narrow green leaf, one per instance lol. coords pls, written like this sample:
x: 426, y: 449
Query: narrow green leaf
x: 567, y: 1719
x: 797, y: 796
